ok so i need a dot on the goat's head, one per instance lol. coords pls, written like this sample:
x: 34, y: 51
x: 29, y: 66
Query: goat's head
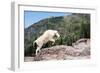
x: 57, y: 35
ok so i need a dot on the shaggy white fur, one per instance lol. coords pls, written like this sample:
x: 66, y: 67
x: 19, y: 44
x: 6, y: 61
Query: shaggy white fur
x: 47, y: 36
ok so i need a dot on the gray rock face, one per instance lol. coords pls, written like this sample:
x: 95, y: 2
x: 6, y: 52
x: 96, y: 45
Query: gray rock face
x: 79, y: 50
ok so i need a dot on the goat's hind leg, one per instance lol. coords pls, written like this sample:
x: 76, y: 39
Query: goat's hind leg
x: 38, y: 50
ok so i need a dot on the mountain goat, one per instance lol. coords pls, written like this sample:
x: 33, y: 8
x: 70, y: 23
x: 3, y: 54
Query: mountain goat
x: 48, y: 35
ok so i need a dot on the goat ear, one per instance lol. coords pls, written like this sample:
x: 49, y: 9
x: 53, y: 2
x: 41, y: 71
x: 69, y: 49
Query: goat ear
x: 56, y: 32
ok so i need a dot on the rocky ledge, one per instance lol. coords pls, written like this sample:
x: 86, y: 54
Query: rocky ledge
x: 79, y: 50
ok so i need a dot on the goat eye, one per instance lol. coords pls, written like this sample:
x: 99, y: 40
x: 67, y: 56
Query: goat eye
x: 55, y: 36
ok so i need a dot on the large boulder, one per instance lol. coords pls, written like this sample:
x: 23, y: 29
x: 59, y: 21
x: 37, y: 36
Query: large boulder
x: 79, y: 50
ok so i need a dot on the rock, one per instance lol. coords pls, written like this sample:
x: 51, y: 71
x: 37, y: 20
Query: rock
x: 28, y: 59
x: 81, y: 43
x: 79, y: 50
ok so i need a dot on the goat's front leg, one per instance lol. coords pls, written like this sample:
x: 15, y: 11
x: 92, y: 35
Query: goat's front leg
x: 52, y: 40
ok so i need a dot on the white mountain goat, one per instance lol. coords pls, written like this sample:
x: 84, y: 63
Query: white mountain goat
x: 47, y: 36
